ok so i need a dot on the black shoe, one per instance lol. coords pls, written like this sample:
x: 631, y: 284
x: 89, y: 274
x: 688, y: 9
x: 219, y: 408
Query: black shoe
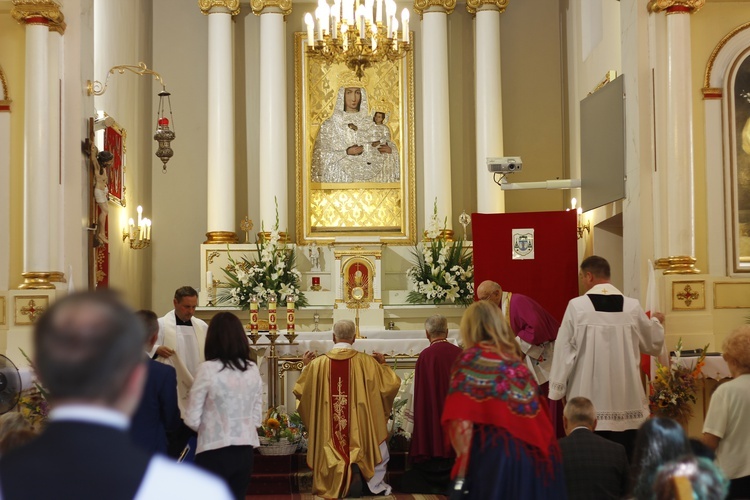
x: 356, y: 485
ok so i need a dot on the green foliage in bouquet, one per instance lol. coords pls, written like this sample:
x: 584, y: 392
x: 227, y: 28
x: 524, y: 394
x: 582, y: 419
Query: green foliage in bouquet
x: 674, y: 386
x: 280, y: 426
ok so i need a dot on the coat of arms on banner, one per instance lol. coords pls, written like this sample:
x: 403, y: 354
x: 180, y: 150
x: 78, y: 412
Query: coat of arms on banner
x: 523, y: 244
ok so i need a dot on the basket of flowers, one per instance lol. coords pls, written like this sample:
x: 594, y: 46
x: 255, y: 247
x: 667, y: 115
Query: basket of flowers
x: 280, y: 433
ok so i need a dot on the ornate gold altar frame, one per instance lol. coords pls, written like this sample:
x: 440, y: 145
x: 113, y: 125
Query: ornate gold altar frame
x: 328, y: 210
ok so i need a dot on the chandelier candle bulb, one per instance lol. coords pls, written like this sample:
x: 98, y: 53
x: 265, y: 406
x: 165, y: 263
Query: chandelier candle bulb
x: 139, y: 209
x: 344, y: 29
x: 309, y: 23
x: 379, y: 12
x: 131, y: 228
x: 374, y: 37
x: 148, y: 229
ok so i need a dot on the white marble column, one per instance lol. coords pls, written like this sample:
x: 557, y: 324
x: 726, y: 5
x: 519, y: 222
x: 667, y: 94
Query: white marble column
x: 435, y: 116
x: 489, y: 102
x: 677, y: 176
x: 56, y: 201
x: 272, y: 148
x: 5, y: 105
x: 36, y: 251
x: 221, y: 154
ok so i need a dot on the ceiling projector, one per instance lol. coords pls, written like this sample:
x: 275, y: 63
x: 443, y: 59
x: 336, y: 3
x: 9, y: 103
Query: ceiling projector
x: 504, y: 164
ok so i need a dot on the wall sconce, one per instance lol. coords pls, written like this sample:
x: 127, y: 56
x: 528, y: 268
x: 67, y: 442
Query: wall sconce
x: 163, y: 136
x: 139, y: 236
x: 580, y: 228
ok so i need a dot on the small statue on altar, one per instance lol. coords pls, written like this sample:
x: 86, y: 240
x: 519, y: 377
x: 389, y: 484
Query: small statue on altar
x: 313, y: 253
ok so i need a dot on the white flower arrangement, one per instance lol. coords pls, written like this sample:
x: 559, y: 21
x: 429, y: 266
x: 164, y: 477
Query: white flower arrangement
x: 443, y: 271
x: 273, y: 275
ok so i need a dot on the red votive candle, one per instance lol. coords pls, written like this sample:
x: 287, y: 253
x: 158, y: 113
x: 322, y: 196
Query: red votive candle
x: 316, y: 280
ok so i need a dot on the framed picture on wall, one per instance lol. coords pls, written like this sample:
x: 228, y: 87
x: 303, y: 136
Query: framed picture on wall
x: 113, y: 140
x: 355, y: 147
x: 738, y: 182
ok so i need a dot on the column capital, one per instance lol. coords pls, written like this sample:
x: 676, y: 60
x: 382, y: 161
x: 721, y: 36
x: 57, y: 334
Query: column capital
x: 473, y: 6
x: 271, y: 7
x: 39, y: 12
x: 675, y: 6
x: 231, y: 6
x: 422, y: 6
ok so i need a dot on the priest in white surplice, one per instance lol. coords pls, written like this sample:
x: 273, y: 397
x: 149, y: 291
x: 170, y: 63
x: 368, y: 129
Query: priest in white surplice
x: 181, y: 340
x: 597, y: 354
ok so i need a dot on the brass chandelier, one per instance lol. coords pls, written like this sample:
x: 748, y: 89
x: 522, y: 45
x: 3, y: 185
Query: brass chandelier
x: 357, y: 34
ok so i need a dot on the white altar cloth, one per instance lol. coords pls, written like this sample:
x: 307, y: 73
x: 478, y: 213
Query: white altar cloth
x: 715, y: 368
x: 392, y: 343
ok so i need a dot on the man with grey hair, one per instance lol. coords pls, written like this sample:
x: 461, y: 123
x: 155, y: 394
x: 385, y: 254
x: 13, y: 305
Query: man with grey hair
x: 345, y: 399
x: 432, y: 457
x: 595, y: 467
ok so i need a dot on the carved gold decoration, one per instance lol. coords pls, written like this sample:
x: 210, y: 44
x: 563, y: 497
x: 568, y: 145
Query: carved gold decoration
x: 715, y: 53
x: 246, y: 225
x: 445, y: 234
x: 473, y: 6
x: 290, y: 365
x: 211, y: 256
x: 36, y: 281
x: 712, y: 93
x: 27, y: 309
x: 24, y: 11
x: 327, y: 210
x: 57, y: 277
x: 357, y: 250
x: 337, y: 209
x: 271, y: 6
x: 221, y: 237
x: 680, y: 264
x: 688, y: 295
x: 264, y: 236
x: 4, y: 83
x: 421, y: 6
x: 690, y: 6
x: 233, y: 6
x: 97, y: 88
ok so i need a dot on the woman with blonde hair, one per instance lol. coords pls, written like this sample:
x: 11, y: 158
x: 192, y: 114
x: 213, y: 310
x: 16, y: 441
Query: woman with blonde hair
x: 496, y: 419
x: 725, y: 427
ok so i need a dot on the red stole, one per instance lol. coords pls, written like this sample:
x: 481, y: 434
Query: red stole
x: 340, y: 399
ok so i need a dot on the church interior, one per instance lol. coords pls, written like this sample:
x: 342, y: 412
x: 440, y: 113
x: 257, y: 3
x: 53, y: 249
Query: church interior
x: 243, y: 94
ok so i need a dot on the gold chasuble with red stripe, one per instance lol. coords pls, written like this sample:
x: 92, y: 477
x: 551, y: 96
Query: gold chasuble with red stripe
x: 345, y: 399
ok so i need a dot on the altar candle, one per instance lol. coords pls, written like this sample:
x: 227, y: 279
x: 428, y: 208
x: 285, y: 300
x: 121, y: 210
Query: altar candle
x: 272, y: 315
x: 253, y: 316
x: 344, y: 38
x: 405, y: 24
x: 374, y: 28
x: 361, y: 21
x: 309, y: 23
x: 209, y: 279
x: 290, y: 313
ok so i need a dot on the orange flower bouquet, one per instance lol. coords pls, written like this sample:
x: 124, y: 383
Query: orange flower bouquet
x: 278, y: 427
x: 674, y: 386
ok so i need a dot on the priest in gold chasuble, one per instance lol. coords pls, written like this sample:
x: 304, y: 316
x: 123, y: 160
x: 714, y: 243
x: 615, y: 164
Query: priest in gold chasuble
x: 345, y: 399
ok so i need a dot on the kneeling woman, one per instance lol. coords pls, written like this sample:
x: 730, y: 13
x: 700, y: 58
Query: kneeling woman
x: 225, y: 405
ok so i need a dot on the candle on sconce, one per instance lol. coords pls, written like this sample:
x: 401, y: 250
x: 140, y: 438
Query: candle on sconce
x: 139, y: 209
x: 344, y: 38
x: 272, y: 315
x: 374, y: 28
x: 131, y: 228
x: 253, y: 315
x: 405, y: 24
x: 290, y: 313
x: 395, y: 33
x: 379, y: 12
x: 309, y: 23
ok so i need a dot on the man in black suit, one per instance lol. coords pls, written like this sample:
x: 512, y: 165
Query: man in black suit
x: 595, y: 467
x: 88, y: 352
x: 158, y: 416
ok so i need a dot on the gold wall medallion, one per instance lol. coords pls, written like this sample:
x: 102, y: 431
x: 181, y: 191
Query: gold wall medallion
x: 688, y: 295
x: 28, y: 308
x: 353, y: 201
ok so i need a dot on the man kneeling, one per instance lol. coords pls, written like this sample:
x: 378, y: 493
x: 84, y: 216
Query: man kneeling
x: 345, y: 399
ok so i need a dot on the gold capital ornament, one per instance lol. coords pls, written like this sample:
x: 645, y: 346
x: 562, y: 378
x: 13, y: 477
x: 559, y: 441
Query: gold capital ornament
x: 421, y: 6
x: 29, y: 11
x: 283, y: 7
x: 473, y: 6
x: 233, y: 6
x: 675, y: 6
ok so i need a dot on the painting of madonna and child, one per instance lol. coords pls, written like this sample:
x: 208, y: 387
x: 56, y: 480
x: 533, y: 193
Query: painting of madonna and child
x: 354, y: 144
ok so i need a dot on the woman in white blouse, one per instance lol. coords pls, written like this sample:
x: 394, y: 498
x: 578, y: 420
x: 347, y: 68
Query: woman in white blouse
x: 225, y: 404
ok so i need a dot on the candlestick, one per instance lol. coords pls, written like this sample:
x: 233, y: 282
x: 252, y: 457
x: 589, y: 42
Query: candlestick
x: 379, y: 12
x: 405, y: 24
x: 254, y: 315
x: 272, y: 315
x: 290, y: 314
